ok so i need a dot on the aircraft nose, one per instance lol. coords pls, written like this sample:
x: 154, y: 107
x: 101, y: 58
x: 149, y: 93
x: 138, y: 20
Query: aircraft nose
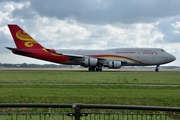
x: 171, y: 58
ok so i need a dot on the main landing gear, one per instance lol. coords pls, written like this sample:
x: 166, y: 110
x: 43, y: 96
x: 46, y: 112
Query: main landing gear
x: 95, y: 69
x: 157, y: 68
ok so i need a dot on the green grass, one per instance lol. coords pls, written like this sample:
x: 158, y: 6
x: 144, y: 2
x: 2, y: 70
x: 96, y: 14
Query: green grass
x: 90, y: 87
x: 58, y: 77
x: 121, y: 88
x: 91, y: 94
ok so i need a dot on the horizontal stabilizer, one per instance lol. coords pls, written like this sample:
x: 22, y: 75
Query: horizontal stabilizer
x: 19, y: 51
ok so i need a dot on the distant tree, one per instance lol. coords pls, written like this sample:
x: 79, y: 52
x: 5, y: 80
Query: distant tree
x: 24, y: 65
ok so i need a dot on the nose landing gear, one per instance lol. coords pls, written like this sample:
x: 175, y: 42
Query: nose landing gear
x: 157, y: 68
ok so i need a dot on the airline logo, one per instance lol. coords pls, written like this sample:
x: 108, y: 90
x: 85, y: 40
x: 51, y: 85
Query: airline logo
x: 29, y: 41
x: 150, y: 52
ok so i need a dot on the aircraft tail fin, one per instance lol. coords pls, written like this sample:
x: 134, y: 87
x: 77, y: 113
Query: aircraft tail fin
x: 22, y: 39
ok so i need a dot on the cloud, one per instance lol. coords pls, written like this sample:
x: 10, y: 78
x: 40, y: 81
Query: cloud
x: 23, y: 11
x: 101, y: 11
x: 105, y: 11
x: 94, y: 24
x: 170, y: 29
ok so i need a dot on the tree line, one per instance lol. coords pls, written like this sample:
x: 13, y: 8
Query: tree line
x: 25, y: 65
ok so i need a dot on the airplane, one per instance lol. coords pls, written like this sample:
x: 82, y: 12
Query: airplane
x: 93, y: 59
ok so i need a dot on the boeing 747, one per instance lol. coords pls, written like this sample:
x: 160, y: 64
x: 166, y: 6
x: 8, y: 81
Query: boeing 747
x: 93, y: 59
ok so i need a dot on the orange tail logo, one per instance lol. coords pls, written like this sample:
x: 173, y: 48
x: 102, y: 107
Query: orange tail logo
x: 29, y: 41
x: 22, y: 39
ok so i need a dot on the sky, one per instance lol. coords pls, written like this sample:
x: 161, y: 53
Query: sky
x: 92, y: 24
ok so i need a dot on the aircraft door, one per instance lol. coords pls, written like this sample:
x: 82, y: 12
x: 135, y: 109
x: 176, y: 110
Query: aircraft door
x: 138, y: 53
x: 137, y: 56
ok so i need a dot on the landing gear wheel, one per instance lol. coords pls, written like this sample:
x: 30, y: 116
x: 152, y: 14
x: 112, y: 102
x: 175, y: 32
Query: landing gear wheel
x: 91, y: 69
x: 98, y: 69
x: 157, y: 68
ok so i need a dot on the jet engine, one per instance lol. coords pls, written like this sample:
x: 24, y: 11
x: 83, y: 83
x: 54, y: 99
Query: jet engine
x: 114, y: 64
x: 90, y: 62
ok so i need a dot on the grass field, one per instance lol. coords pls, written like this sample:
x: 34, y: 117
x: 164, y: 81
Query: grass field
x: 117, y: 87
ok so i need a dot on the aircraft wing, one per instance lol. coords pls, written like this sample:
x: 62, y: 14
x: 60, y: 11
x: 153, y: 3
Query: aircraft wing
x: 82, y: 57
x: 72, y: 55
x: 77, y: 56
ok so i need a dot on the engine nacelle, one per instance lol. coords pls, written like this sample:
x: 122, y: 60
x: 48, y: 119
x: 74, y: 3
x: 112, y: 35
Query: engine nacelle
x: 90, y: 62
x: 114, y: 64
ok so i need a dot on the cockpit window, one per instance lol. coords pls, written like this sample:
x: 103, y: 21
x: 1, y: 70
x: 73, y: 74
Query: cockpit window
x: 162, y: 50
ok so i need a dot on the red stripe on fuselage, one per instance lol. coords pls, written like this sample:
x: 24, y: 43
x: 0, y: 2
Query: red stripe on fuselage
x: 43, y: 55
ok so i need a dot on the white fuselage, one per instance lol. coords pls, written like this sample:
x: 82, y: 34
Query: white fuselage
x: 128, y: 56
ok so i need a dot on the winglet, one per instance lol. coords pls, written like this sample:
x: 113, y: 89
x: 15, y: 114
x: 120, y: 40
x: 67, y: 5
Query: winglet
x: 22, y: 39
